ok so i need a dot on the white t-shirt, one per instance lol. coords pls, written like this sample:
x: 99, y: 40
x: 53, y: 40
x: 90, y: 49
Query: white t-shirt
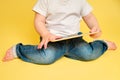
x: 63, y: 16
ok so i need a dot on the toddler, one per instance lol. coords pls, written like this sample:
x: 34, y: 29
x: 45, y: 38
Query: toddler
x: 55, y: 19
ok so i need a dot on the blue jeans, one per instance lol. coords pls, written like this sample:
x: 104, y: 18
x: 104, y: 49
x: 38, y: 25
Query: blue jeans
x: 76, y: 48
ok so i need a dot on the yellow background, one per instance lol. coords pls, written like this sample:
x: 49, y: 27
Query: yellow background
x: 16, y: 25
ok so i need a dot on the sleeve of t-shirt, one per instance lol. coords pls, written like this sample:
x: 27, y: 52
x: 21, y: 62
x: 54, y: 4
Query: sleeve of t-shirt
x: 41, y: 7
x: 86, y: 8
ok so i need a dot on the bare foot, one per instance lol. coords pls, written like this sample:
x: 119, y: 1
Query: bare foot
x: 9, y: 55
x: 111, y: 45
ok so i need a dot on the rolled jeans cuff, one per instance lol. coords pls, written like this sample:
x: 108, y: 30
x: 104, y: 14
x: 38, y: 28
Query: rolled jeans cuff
x: 14, y: 51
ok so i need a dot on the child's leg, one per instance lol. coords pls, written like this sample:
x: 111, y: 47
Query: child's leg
x: 30, y: 53
x: 90, y: 51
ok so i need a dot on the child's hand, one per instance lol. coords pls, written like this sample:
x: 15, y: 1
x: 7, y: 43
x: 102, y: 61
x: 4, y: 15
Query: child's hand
x: 96, y: 35
x: 46, y: 39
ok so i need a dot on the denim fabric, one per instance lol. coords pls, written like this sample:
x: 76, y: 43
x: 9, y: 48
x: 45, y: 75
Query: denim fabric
x: 76, y: 48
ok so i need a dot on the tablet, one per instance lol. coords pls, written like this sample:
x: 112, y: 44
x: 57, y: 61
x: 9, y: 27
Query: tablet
x: 73, y: 36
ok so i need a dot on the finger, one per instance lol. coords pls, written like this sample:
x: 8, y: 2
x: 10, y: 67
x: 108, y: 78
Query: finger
x: 95, y: 35
x: 40, y: 44
x: 54, y: 38
x: 58, y: 37
x: 45, y: 44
